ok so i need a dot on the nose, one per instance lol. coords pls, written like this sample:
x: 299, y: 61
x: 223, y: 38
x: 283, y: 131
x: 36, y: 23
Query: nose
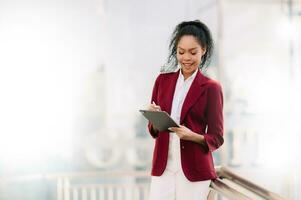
x: 186, y: 57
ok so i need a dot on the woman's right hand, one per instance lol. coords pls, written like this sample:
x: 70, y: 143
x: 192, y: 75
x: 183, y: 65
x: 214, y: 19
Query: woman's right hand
x: 154, y: 107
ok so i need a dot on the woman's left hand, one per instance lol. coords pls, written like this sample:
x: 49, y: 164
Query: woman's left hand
x: 183, y: 132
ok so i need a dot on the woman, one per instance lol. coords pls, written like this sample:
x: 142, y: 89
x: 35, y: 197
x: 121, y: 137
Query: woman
x: 182, y: 160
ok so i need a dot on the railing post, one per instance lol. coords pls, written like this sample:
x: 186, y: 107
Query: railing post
x: 119, y: 192
x: 84, y: 194
x: 74, y: 194
x: 66, y: 186
x: 101, y: 192
x: 211, y: 195
x: 93, y: 194
x: 59, y: 189
x: 110, y: 190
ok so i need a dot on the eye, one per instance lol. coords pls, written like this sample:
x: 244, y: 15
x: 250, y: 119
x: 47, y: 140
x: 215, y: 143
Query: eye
x: 181, y: 53
x: 193, y: 53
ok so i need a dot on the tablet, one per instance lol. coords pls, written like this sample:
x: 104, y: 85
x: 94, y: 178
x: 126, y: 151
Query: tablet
x: 160, y: 119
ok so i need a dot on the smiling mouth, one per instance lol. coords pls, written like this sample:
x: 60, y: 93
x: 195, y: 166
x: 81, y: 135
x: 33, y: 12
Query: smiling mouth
x: 187, y: 64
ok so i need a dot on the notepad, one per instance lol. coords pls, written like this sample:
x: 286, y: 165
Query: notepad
x: 160, y: 119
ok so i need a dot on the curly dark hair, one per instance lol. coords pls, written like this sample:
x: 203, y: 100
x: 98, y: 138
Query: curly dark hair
x: 196, y: 29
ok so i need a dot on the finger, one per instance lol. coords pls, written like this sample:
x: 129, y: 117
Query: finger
x: 157, y: 108
x: 153, y: 107
x: 174, y: 129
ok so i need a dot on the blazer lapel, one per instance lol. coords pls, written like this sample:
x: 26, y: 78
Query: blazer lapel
x: 193, y: 94
x: 170, y: 90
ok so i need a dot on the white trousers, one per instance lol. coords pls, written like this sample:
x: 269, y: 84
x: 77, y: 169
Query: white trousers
x: 175, y: 186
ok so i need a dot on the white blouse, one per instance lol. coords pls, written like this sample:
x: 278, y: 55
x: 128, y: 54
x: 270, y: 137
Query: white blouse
x: 181, y: 90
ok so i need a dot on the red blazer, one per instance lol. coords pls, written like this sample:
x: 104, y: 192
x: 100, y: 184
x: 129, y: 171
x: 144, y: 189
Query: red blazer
x: 202, y: 112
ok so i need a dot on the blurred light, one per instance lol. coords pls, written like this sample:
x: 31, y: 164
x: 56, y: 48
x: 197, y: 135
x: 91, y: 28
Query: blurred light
x: 280, y: 133
x: 286, y: 29
x: 36, y: 91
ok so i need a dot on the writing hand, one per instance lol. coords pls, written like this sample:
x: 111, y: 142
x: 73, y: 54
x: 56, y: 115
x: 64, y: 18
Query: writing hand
x: 154, y: 107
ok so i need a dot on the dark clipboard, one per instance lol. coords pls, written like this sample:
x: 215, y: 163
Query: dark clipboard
x: 160, y: 119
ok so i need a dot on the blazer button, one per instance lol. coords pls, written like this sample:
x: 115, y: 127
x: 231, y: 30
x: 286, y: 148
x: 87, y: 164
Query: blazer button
x: 182, y: 147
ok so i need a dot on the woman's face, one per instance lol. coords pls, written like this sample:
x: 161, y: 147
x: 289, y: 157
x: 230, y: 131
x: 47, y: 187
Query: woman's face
x: 189, y: 54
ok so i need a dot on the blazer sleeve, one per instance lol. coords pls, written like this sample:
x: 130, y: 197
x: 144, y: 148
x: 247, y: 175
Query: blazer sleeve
x: 215, y: 122
x: 152, y: 131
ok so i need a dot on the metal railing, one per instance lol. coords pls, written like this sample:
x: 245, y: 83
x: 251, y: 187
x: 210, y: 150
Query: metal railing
x: 67, y: 191
x: 219, y: 186
x: 134, y: 185
x: 113, y: 187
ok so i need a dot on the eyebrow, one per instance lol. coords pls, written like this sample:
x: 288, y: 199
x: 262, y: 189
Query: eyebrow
x: 188, y: 49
